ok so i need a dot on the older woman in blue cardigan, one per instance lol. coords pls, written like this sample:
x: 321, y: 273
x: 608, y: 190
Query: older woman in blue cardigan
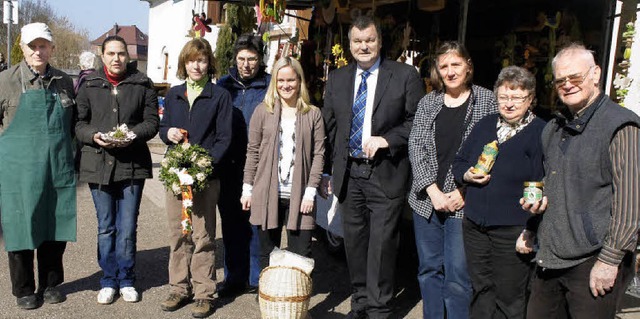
x: 494, y: 218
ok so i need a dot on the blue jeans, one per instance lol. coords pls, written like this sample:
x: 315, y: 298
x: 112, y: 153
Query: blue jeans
x: 442, y: 271
x: 117, y: 206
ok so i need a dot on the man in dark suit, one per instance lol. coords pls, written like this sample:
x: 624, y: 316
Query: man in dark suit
x: 368, y: 110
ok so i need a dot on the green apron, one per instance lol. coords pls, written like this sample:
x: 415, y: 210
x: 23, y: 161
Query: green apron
x: 37, y: 180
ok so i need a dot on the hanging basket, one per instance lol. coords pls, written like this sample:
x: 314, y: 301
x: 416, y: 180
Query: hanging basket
x: 431, y: 5
x: 284, y: 293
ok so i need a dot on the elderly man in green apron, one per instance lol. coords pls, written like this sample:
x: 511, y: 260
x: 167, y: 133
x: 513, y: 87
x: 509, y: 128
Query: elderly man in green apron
x: 37, y: 182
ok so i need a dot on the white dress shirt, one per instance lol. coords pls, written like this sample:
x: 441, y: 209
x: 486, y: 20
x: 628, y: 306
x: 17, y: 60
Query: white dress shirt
x: 372, y: 82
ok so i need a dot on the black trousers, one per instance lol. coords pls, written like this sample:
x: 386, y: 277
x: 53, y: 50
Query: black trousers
x: 499, y: 274
x: 565, y: 293
x: 50, y: 269
x: 298, y: 241
x: 371, y: 239
x: 236, y: 229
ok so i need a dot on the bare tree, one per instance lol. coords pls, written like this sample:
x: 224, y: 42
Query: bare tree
x: 69, y: 40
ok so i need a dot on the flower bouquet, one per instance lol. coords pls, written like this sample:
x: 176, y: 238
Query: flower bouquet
x: 121, y: 135
x: 184, y: 170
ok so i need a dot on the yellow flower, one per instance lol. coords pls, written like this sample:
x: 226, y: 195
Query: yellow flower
x: 336, y: 50
x: 340, y: 62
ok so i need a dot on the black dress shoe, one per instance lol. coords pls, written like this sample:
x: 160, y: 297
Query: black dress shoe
x: 28, y: 302
x: 252, y: 289
x: 356, y: 315
x: 52, y: 295
x: 230, y: 291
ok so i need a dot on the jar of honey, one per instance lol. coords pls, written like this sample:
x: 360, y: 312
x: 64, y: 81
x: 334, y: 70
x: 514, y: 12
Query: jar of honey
x: 533, y: 192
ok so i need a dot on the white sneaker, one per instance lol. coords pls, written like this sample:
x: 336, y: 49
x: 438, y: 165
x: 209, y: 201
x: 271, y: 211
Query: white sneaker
x: 105, y: 296
x: 129, y: 294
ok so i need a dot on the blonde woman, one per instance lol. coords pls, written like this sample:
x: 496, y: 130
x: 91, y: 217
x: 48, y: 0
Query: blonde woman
x: 285, y: 156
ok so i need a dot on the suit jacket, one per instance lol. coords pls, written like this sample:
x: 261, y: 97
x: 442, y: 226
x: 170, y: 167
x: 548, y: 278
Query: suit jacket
x: 398, y: 91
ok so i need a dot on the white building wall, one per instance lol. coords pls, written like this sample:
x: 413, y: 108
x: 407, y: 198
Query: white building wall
x: 169, y: 24
x: 632, y: 100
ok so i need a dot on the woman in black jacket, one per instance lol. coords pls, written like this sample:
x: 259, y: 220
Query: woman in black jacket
x: 116, y: 94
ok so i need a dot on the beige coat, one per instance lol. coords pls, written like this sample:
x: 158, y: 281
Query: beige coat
x: 261, y: 167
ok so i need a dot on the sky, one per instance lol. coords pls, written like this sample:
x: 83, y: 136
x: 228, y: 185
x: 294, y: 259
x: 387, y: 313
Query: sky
x: 97, y: 17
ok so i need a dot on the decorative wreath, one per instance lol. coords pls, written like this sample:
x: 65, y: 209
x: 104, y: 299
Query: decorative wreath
x: 184, y: 170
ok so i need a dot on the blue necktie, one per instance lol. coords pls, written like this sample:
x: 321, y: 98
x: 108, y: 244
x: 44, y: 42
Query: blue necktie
x: 357, y: 122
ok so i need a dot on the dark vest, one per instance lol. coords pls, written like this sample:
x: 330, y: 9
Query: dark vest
x: 578, y: 183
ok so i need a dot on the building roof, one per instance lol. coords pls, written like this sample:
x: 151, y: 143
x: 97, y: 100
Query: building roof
x: 130, y: 33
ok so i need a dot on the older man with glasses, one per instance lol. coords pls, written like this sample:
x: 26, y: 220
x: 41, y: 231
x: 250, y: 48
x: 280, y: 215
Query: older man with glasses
x: 591, y: 209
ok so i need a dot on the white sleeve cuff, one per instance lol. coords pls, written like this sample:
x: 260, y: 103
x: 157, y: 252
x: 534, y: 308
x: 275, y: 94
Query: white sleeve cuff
x: 247, y: 189
x: 310, y: 193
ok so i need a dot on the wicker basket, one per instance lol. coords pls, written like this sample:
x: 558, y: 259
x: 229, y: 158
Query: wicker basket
x: 284, y: 293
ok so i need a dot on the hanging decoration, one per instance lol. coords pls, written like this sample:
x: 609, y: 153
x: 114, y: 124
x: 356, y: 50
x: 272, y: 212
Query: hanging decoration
x: 622, y: 81
x: 338, y: 53
x: 272, y: 10
x: 200, y: 24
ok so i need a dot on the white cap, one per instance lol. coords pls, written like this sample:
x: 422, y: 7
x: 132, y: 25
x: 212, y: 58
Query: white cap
x: 34, y: 31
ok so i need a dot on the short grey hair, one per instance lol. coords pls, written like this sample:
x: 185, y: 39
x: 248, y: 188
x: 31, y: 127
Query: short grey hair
x: 87, y: 60
x: 515, y: 77
x: 574, y: 48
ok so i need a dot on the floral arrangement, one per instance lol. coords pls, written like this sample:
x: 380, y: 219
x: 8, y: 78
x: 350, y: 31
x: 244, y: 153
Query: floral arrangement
x: 185, y: 170
x: 622, y: 81
x: 122, y: 134
x: 338, y: 53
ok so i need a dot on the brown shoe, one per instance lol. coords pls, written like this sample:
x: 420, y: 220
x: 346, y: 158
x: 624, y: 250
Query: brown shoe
x: 201, y: 308
x: 174, y: 302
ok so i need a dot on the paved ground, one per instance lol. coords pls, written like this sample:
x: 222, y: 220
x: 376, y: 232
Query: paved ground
x: 330, y: 298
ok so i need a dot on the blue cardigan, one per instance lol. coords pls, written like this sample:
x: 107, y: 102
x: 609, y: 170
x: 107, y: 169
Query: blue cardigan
x: 519, y: 160
x: 208, y: 122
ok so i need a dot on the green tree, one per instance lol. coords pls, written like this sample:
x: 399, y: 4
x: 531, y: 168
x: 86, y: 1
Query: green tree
x: 16, y: 51
x: 240, y: 20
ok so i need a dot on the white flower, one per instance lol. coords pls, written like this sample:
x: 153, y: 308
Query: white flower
x: 200, y: 177
x: 203, y: 163
x: 193, y: 158
x: 185, y: 224
x: 174, y: 170
x: 621, y: 81
x: 164, y: 162
x: 186, y: 203
x: 185, y: 146
x: 175, y: 188
x: 185, y: 178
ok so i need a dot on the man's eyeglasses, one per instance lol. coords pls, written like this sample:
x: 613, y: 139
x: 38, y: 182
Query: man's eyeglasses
x: 251, y: 60
x: 517, y: 100
x: 574, y: 79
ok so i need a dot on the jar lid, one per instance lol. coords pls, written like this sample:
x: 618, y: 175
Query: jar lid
x: 534, y: 184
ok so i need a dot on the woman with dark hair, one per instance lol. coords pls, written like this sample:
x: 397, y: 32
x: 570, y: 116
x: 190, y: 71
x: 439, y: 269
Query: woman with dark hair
x: 113, y: 95
x: 285, y: 157
x: 247, y: 82
x: 493, y: 216
x: 204, y: 111
x: 443, y: 121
